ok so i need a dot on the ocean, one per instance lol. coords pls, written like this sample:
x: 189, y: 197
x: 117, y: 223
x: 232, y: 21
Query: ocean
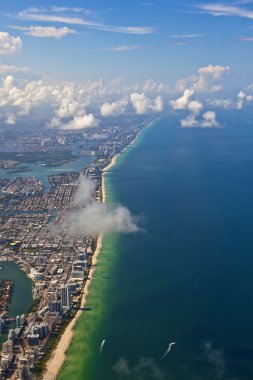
x: 187, y: 277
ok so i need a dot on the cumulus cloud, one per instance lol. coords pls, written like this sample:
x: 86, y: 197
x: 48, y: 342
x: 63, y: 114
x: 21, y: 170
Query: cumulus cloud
x: 80, y: 122
x: 90, y: 217
x: 145, y: 368
x: 208, y: 120
x: 9, y: 44
x: 242, y: 98
x: 98, y: 218
x: 114, y: 108
x: 84, y: 192
x: 46, y: 31
x: 189, y: 121
x: 11, y: 119
x: 143, y: 105
x: 69, y: 102
x: 205, y: 80
x: 12, y: 69
x: 184, y: 102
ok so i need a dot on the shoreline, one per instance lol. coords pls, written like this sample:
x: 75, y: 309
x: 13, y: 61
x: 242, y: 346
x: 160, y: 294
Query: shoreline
x: 59, y: 355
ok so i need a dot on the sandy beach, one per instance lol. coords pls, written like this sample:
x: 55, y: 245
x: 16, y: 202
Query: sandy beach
x: 58, y: 357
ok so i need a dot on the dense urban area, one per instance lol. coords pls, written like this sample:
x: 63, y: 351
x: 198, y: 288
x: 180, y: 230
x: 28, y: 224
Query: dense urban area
x: 34, y: 233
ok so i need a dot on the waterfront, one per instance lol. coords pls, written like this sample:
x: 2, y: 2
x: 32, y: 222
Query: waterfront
x: 42, y: 172
x: 189, y: 277
x: 22, y: 295
x: 22, y: 299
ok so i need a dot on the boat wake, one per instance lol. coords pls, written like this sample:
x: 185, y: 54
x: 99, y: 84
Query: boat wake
x: 102, y: 346
x: 168, y: 349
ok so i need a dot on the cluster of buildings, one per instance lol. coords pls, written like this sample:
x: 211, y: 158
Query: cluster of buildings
x: 34, y: 233
x: 57, y: 198
x: 23, y: 186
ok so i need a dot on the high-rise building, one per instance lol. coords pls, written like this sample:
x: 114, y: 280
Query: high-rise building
x: 54, y: 306
x: 65, y: 298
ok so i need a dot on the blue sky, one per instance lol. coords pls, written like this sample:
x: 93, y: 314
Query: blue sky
x: 87, y: 60
x: 172, y: 38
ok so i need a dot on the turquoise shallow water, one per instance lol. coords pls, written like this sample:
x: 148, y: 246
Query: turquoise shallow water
x: 42, y: 172
x: 188, y: 278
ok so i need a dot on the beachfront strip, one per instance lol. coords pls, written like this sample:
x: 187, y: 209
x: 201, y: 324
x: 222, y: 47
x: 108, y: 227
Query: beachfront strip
x: 35, y: 233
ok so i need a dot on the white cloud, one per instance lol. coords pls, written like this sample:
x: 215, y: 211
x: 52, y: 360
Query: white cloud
x: 216, y: 361
x: 242, y: 98
x: 182, y: 102
x: 91, y: 217
x: 223, y: 103
x: 12, y: 69
x: 8, y: 82
x: 67, y: 9
x: 195, y: 107
x: 225, y: 10
x: 45, y: 31
x: 98, y: 218
x: 121, y: 48
x: 35, y: 14
x: 209, y: 120
x: 69, y: 102
x: 205, y: 80
x: 145, y: 368
x: 247, y: 39
x: 183, y: 36
x: 189, y: 121
x: 215, y: 72
x: 84, y: 192
x: 11, y: 119
x: 143, y: 105
x: 9, y: 44
x: 114, y: 108
x: 80, y: 122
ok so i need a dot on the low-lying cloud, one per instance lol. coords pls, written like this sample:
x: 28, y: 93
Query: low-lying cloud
x: 144, y: 369
x: 143, y: 105
x: 9, y: 44
x: 90, y: 217
x: 98, y: 218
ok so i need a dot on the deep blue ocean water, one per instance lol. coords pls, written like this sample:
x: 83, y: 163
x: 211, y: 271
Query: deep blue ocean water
x: 189, y: 277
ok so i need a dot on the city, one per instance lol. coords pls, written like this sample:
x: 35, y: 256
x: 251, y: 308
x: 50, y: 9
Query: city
x: 35, y: 234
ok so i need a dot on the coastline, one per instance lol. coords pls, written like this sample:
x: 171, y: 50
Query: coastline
x: 58, y: 357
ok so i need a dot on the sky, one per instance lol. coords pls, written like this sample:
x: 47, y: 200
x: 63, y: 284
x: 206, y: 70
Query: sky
x: 128, y: 42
